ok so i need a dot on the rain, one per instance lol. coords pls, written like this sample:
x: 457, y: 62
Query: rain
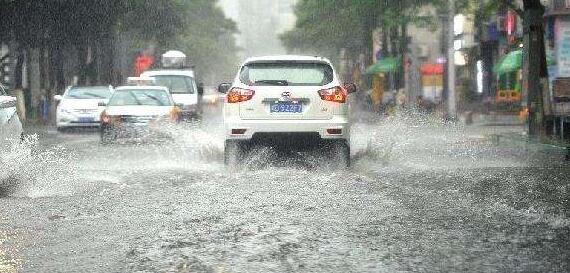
x: 235, y: 160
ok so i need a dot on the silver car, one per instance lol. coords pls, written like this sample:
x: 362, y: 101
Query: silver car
x: 79, y: 106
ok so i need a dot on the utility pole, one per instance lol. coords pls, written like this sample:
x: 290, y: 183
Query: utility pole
x: 451, y: 99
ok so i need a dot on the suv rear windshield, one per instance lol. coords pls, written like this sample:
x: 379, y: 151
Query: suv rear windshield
x: 287, y: 73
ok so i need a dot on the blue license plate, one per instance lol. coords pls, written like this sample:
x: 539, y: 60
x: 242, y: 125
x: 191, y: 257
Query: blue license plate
x: 86, y: 120
x: 286, y: 107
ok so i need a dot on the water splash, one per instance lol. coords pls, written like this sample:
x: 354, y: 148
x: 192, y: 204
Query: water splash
x: 32, y: 172
x: 417, y: 141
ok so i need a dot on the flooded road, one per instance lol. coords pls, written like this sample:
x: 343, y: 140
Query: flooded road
x: 422, y: 196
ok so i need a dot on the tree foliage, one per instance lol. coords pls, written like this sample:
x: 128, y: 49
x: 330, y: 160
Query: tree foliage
x: 333, y: 24
x: 55, y: 25
x: 208, y: 39
x: 327, y: 26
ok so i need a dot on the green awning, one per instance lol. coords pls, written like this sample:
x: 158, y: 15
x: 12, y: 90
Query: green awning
x: 385, y: 65
x: 513, y: 62
x: 509, y: 63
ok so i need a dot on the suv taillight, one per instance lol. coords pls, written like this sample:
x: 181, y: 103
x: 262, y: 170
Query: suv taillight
x: 335, y: 94
x: 236, y: 95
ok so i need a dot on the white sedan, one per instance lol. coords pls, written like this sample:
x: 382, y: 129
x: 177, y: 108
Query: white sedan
x: 137, y: 111
x: 79, y: 106
x: 10, y: 125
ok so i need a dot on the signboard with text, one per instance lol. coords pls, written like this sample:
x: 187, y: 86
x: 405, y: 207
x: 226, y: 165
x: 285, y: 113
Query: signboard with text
x: 563, y: 47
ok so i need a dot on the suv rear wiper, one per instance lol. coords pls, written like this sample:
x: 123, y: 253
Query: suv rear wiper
x: 274, y: 82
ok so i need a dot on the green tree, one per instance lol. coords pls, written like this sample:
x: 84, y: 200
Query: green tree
x: 208, y: 40
x: 63, y: 38
x: 324, y: 27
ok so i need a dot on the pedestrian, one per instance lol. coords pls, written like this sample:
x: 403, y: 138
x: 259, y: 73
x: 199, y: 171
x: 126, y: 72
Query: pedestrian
x: 422, y: 104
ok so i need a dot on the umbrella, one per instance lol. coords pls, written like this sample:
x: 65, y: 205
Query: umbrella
x: 513, y: 62
x: 385, y: 65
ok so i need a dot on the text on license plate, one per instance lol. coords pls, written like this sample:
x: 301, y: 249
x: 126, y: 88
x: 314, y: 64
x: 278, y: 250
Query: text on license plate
x: 286, y: 107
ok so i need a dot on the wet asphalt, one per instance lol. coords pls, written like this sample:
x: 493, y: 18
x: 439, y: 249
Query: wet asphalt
x: 422, y: 196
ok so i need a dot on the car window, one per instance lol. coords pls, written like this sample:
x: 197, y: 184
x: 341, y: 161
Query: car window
x: 283, y: 73
x: 176, y: 84
x: 148, y: 97
x: 88, y: 93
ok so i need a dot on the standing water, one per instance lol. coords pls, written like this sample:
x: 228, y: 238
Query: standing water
x: 421, y: 191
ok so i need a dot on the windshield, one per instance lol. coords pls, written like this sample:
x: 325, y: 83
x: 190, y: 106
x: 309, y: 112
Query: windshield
x: 287, y: 73
x: 176, y: 84
x: 88, y: 93
x: 150, y: 97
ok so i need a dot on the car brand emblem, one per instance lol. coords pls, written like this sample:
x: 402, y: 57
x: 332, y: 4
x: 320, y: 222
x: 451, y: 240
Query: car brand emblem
x: 286, y: 96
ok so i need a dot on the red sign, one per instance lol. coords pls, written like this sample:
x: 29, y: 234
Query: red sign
x: 432, y: 69
x: 511, y: 25
x: 143, y: 63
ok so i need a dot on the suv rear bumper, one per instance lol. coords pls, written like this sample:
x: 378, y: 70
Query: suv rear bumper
x: 321, y: 127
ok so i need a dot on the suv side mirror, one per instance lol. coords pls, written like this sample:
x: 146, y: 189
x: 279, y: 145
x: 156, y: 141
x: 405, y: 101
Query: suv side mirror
x: 102, y: 103
x: 350, y: 87
x: 200, y: 89
x: 224, y: 88
x: 57, y: 97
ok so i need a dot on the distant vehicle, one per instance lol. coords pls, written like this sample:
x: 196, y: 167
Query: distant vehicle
x: 179, y: 77
x: 212, y: 99
x: 287, y: 100
x: 183, y: 88
x: 137, y: 111
x: 10, y: 125
x: 79, y: 106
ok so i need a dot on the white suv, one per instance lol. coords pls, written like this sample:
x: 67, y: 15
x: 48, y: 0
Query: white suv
x: 287, y: 100
x: 182, y: 85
